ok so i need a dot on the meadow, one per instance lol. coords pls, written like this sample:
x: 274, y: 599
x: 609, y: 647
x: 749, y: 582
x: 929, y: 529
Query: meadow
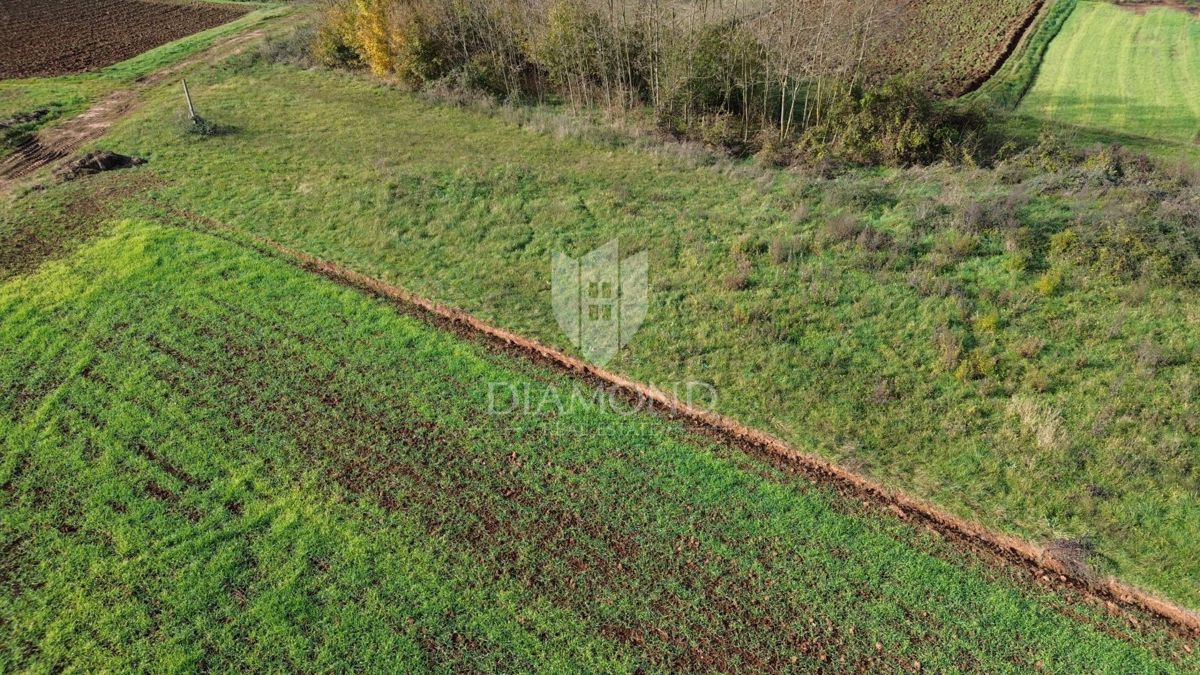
x: 1131, y: 73
x: 978, y: 338
x: 214, y: 460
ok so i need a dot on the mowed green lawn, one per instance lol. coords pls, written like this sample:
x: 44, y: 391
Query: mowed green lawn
x: 1134, y: 73
x: 973, y: 367
x: 214, y: 461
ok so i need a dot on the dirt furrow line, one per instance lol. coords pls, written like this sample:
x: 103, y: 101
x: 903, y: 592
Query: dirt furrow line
x: 1014, y: 550
x: 1010, y: 48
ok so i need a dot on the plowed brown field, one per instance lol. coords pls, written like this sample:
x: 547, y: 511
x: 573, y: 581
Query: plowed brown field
x: 55, y: 37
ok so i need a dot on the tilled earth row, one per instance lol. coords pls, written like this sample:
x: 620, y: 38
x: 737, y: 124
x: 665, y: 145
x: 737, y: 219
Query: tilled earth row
x: 40, y: 39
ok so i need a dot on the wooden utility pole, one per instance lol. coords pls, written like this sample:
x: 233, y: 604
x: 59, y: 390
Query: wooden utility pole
x: 188, y: 97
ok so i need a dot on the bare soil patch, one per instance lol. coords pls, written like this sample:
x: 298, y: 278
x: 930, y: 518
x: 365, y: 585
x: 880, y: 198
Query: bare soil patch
x: 1188, y: 6
x: 40, y: 38
x: 95, y: 162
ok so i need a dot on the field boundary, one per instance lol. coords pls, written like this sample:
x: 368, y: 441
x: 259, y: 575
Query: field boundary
x: 1014, y: 75
x: 1010, y: 48
x: 1015, y: 550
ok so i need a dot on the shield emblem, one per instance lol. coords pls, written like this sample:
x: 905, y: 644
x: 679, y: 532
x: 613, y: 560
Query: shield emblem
x: 599, y: 300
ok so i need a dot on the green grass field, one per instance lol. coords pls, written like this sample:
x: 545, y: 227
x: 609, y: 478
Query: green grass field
x: 980, y: 369
x: 212, y: 460
x: 215, y: 461
x: 1132, y: 74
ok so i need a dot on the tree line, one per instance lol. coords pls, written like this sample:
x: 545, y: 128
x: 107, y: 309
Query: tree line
x: 784, y: 77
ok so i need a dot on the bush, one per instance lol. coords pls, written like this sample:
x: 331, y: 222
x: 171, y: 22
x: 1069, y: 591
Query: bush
x: 739, y: 279
x: 1104, y: 164
x: 1131, y: 248
x: 720, y: 130
x: 371, y: 25
x: 873, y: 240
x: 335, y: 43
x: 391, y: 37
x: 1049, y: 283
x: 784, y: 250
x: 859, y: 195
x: 413, y: 52
x: 897, y: 124
x: 953, y: 246
x: 202, y: 127
x: 999, y: 213
x: 842, y: 228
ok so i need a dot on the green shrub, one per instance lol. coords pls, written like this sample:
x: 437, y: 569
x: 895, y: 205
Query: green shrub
x: 1016, y: 262
x: 953, y: 246
x: 987, y: 323
x: 739, y: 279
x: 1130, y: 248
x: 1104, y: 165
x: 335, y: 43
x: 1049, y: 283
x: 842, y: 228
x: 997, y: 213
x: 874, y: 240
x: 1061, y: 243
x: 296, y: 48
x: 896, y: 124
x: 784, y: 250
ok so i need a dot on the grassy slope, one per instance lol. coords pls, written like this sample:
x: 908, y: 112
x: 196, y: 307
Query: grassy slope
x: 212, y: 460
x: 1113, y: 70
x: 953, y: 376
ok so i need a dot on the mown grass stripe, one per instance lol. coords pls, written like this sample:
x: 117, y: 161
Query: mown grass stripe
x: 1124, y: 70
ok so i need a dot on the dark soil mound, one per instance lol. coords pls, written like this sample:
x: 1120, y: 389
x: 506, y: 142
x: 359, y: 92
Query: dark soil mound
x: 24, y: 118
x: 95, y: 162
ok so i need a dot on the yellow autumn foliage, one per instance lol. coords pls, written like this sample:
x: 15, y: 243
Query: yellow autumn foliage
x: 372, y: 34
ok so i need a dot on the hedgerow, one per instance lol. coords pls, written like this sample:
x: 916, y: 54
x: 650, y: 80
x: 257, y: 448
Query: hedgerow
x: 747, y: 83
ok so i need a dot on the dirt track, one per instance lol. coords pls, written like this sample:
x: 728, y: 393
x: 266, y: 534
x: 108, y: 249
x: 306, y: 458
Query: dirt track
x: 40, y: 38
x: 56, y: 143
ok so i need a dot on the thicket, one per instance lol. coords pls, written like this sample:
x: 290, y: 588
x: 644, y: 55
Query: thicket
x: 784, y: 78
